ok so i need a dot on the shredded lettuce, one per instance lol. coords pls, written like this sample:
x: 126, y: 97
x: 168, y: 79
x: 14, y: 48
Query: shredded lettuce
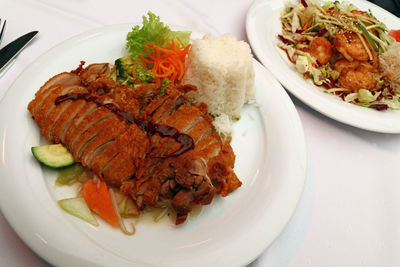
x: 366, y: 96
x: 393, y: 104
x: 344, y: 6
x: 304, y: 64
x: 351, y: 97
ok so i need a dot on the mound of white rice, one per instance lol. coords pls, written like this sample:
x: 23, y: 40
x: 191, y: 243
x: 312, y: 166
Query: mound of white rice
x: 222, y: 70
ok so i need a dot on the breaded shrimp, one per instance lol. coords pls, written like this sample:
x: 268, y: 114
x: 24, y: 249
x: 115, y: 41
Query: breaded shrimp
x: 321, y: 49
x: 350, y: 46
x: 356, y: 76
x: 345, y: 64
x: 375, y: 59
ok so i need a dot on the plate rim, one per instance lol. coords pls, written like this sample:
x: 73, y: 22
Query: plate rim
x: 300, y: 135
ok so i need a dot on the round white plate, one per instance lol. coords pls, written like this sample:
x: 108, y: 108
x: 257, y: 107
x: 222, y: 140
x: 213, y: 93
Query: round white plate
x: 263, y: 26
x: 232, y: 231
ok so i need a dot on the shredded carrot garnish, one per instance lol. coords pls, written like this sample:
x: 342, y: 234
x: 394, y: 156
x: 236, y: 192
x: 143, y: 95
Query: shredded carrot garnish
x: 134, y: 71
x: 305, y: 26
x: 107, y: 73
x: 166, y: 62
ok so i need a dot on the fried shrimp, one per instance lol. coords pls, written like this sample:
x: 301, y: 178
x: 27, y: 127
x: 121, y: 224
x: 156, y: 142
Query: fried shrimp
x: 345, y: 64
x: 356, y: 75
x: 321, y: 49
x: 375, y: 59
x: 350, y: 46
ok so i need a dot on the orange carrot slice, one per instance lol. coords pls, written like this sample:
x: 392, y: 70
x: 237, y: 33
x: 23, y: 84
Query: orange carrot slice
x: 98, y: 200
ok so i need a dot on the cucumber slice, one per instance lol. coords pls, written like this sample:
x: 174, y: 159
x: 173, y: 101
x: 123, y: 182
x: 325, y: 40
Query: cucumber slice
x: 78, y: 208
x: 53, y: 156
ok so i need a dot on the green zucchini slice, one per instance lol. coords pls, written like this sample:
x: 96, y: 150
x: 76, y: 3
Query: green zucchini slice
x: 53, y: 156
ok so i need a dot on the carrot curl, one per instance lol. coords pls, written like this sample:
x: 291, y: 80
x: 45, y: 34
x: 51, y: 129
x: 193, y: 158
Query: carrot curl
x: 166, y: 62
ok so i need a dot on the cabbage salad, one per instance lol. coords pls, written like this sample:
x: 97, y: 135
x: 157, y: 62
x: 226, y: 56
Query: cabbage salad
x: 305, y: 21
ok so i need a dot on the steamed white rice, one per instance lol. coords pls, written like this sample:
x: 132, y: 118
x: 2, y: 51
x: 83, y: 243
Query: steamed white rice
x: 222, y: 70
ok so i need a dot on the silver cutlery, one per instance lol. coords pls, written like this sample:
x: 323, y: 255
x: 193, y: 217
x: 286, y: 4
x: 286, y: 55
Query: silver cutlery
x: 3, y: 26
x: 12, y: 49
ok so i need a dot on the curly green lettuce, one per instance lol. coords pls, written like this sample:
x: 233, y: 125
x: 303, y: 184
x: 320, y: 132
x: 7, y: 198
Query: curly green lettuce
x: 151, y: 31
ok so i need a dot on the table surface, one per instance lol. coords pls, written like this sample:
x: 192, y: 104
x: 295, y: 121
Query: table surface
x: 349, y: 212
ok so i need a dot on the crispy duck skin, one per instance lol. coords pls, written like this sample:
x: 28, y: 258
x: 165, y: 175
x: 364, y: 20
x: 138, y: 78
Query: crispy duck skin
x: 65, y: 78
x: 151, y: 143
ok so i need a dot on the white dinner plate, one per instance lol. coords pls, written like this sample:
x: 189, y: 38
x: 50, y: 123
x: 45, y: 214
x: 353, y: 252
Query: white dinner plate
x: 271, y: 161
x: 263, y: 26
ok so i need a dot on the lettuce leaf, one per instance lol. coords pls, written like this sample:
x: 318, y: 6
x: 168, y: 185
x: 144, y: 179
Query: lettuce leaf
x: 155, y: 32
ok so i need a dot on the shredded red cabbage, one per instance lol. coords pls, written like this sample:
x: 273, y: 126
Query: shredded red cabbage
x: 322, y: 32
x: 284, y: 40
x: 332, y: 83
x: 380, y: 106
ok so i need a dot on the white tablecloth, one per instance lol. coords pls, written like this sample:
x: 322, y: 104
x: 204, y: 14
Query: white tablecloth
x: 350, y: 210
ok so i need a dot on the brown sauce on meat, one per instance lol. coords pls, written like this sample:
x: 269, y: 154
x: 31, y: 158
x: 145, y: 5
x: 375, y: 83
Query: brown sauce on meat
x: 147, y: 126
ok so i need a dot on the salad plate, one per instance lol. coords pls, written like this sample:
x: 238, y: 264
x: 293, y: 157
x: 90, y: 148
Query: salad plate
x: 270, y: 161
x: 263, y: 26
